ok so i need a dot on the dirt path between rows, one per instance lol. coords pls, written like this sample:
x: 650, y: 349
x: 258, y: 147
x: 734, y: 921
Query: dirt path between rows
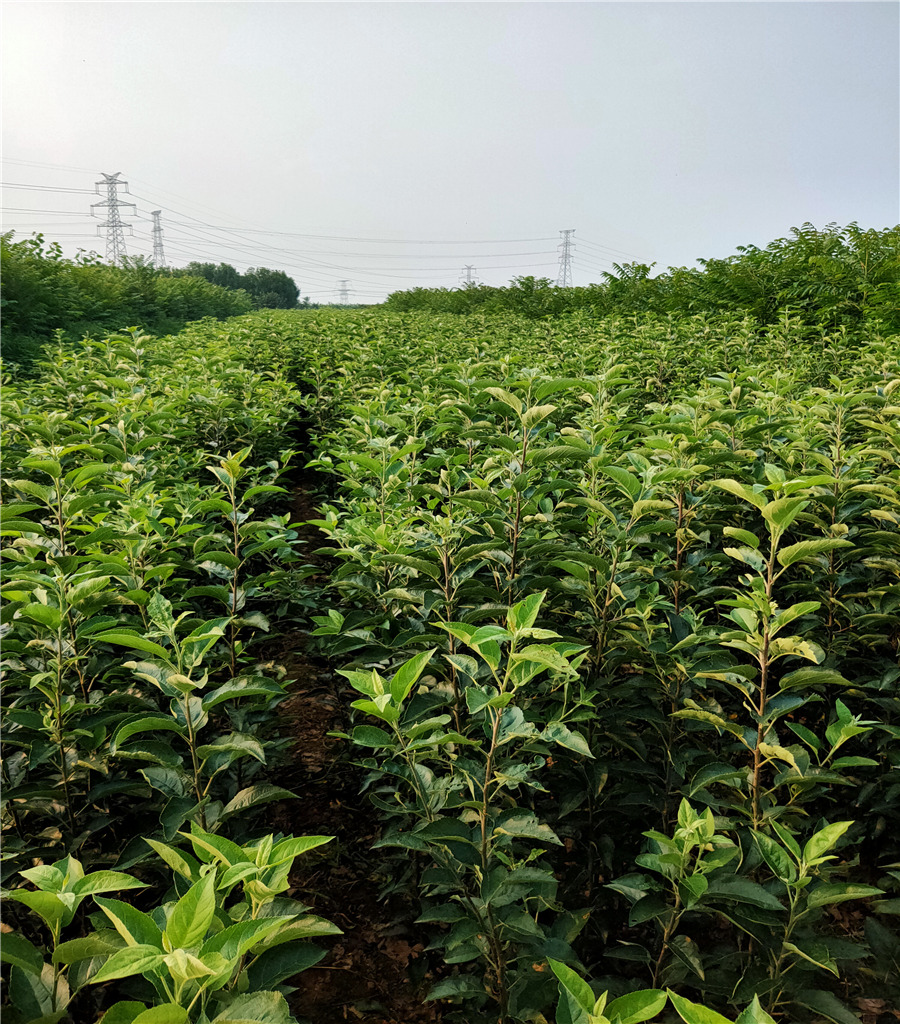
x: 376, y: 972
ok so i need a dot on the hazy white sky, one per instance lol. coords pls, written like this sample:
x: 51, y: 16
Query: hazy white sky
x: 658, y: 131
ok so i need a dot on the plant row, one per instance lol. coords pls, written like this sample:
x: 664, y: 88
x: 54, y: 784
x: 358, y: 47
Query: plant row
x: 144, y: 563
x: 619, y: 604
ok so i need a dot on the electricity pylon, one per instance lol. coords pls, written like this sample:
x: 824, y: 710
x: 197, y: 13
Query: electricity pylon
x: 159, y: 256
x: 467, y: 275
x: 115, y: 228
x: 344, y: 292
x: 566, y: 247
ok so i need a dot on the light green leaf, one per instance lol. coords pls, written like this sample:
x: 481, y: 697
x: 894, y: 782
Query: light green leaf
x: 124, y: 963
x: 165, y: 1013
x: 695, y: 1013
x: 106, y: 881
x: 809, y: 549
x: 406, y: 676
x: 754, y: 1014
x: 824, y: 840
x: 635, y: 1007
x: 828, y: 893
x: 741, y: 491
x: 135, y: 927
x: 256, y: 1008
x: 523, y: 614
x: 571, y: 983
x: 192, y: 915
x: 254, y: 796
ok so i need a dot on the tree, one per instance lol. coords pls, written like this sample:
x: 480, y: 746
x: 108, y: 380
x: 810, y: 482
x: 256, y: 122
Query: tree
x: 271, y: 289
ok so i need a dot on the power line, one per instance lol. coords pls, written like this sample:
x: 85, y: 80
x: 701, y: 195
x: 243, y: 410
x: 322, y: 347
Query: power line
x: 597, y: 245
x: 46, y: 188
x: 52, y: 167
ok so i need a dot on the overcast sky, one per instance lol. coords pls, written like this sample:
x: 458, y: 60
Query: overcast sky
x: 658, y: 131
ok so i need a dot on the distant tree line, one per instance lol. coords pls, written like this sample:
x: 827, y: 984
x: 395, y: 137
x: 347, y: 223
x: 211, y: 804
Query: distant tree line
x: 269, y: 289
x: 831, y: 276
x: 44, y: 291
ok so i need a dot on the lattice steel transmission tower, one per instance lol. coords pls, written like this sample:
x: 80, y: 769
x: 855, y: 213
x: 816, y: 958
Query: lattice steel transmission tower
x: 115, y: 228
x: 566, y: 248
x: 344, y: 292
x: 467, y: 275
x: 159, y: 256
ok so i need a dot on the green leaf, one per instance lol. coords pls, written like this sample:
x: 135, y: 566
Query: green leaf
x: 296, y: 846
x: 106, y: 881
x: 33, y: 995
x: 810, y: 676
x: 371, y: 736
x: 406, y: 676
x: 825, y: 1004
x: 135, y: 927
x: 742, y: 890
x: 132, y: 640
x: 192, y: 915
x: 627, y: 482
x: 235, y: 940
x: 124, y: 963
x: 145, y: 723
x: 165, y: 1013
x: 82, y: 949
x: 524, y: 614
x: 47, y: 905
x: 234, y: 743
x: 256, y: 1008
x: 776, y: 857
x: 829, y: 893
x: 809, y: 549
x: 237, y: 688
x: 573, y: 985
x: 279, y: 963
x: 741, y: 491
x: 507, y: 397
x: 17, y: 950
x: 754, y: 1014
x: 694, y: 1013
x: 254, y: 796
x: 814, y: 954
x: 635, y: 1007
x: 465, y: 986
x: 824, y: 840
x: 558, y: 733
x: 179, y: 862
x: 745, y: 536
x: 783, y: 511
x: 209, y: 847
x: 123, y: 1012
x: 225, y: 558
x: 525, y: 825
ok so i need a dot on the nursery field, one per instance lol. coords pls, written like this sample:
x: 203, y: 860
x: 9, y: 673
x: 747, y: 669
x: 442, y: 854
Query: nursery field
x: 606, y: 616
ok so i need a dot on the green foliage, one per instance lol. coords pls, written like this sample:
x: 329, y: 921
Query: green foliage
x: 223, y: 940
x: 43, y: 292
x: 709, y: 548
x: 617, y: 605
x: 830, y: 276
x: 269, y: 289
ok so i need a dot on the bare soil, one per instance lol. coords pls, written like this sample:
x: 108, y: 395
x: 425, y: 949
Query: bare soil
x: 377, y: 971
